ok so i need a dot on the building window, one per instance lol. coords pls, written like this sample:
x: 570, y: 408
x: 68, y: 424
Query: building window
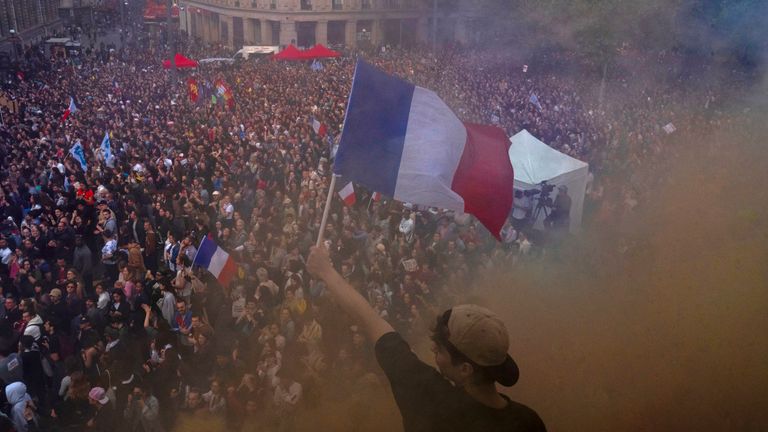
x: 237, y: 3
x: 254, y: 4
x: 306, y: 5
x: 273, y: 4
x: 366, y: 4
x: 337, y: 4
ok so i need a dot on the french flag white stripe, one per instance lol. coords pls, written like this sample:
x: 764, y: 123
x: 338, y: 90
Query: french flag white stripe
x: 432, y: 149
x: 218, y: 261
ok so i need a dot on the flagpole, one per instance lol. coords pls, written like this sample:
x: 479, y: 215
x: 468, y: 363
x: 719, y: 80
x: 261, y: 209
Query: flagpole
x: 198, y: 249
x: 331, y: 188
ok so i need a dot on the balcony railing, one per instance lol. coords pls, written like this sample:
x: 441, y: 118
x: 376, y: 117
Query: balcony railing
x: 337, y: 5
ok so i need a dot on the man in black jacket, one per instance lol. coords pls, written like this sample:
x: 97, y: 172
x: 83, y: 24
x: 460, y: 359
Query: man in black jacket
x: 470, y: 349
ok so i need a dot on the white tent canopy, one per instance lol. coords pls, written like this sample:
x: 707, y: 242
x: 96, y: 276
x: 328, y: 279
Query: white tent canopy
x: 535, y: 162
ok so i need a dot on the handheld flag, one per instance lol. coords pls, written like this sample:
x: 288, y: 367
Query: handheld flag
x: 347, y: 194
x: 71, y: 109
x: 535, y: 101
x: 106, y: 149
x: 319, y: 128
x: 216, y: 260
x: 78, y: 153
x: 192, y: 90
x: 404, y: 141
x: 223, y: 90
x: 316, y: 65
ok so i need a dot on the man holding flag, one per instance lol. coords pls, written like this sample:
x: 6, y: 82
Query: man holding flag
x: 404, y: 141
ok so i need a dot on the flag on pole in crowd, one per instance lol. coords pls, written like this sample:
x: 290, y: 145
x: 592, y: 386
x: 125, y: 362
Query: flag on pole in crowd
x: 316, y: 65
x: 223, y: 91
x: 535, y: 101
x: 71, y: 109
x: 216, y: 260
x: 347, y: 194
x: 192, y: 90
x: 333, y: 146
x: 106, y: 149
x: 376, y: 196
x: 78, y: 153
x: 319, y: 128
x: 404, y: 141
x: 669, y: 128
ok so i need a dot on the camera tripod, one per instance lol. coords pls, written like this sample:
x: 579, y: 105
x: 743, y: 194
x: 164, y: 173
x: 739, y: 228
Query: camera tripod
x: 543, y: 205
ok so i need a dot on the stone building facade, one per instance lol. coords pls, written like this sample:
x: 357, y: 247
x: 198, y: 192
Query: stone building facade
x: 306, y: 22
x: 28, y: 21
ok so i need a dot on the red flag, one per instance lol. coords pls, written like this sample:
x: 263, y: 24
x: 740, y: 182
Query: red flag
x: 192, y: 89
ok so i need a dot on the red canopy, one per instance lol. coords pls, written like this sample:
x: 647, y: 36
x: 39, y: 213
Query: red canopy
x: 289, y: 53
x: 319, y: 51
x: 181, y: 62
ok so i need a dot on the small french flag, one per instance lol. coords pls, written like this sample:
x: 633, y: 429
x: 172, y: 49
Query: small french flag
x: 216, y: 260
x: 319, y: 128
x: 347, y: 194
x: 71, y: 109
x: 376, y: 196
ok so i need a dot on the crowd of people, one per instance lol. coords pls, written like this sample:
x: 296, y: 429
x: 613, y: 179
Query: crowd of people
x: 106, y: 325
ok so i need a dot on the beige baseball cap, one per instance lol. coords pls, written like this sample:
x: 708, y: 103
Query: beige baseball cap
x: 481, y: 336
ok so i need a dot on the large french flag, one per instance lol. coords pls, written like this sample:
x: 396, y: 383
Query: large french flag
x: 216, y: 260
x: 405, y: 142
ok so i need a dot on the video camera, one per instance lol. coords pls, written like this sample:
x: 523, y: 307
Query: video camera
x: 546, y: 188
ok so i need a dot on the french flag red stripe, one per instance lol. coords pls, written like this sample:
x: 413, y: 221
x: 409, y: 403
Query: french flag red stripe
x: 482, y: 178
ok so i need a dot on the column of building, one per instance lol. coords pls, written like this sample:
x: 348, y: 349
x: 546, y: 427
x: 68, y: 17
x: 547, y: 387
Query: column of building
x: 321, y: 32
x: 376, y: 32
x: 351, y: 33
x: 266, y: 32
x: 288, y: 33
x: 229, y: 22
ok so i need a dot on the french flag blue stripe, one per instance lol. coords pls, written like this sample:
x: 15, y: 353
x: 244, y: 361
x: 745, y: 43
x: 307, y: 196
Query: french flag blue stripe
x: 205, y: 253
x: 377, y: 112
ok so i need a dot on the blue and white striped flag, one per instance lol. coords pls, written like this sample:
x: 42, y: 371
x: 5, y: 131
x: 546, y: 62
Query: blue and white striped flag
x: 106, y: 150
x: 78, y: 153
x: 535, y: 101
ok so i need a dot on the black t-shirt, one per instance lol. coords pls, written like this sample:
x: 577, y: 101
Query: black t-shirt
x: 429, y: 402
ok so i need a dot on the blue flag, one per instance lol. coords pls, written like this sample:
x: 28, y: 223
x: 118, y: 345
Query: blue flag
x: 535, y: 101
x: 316, y: 65
x: 78, y: 153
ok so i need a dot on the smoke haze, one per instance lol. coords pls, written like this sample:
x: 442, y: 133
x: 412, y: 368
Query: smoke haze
x: 670, y: 334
